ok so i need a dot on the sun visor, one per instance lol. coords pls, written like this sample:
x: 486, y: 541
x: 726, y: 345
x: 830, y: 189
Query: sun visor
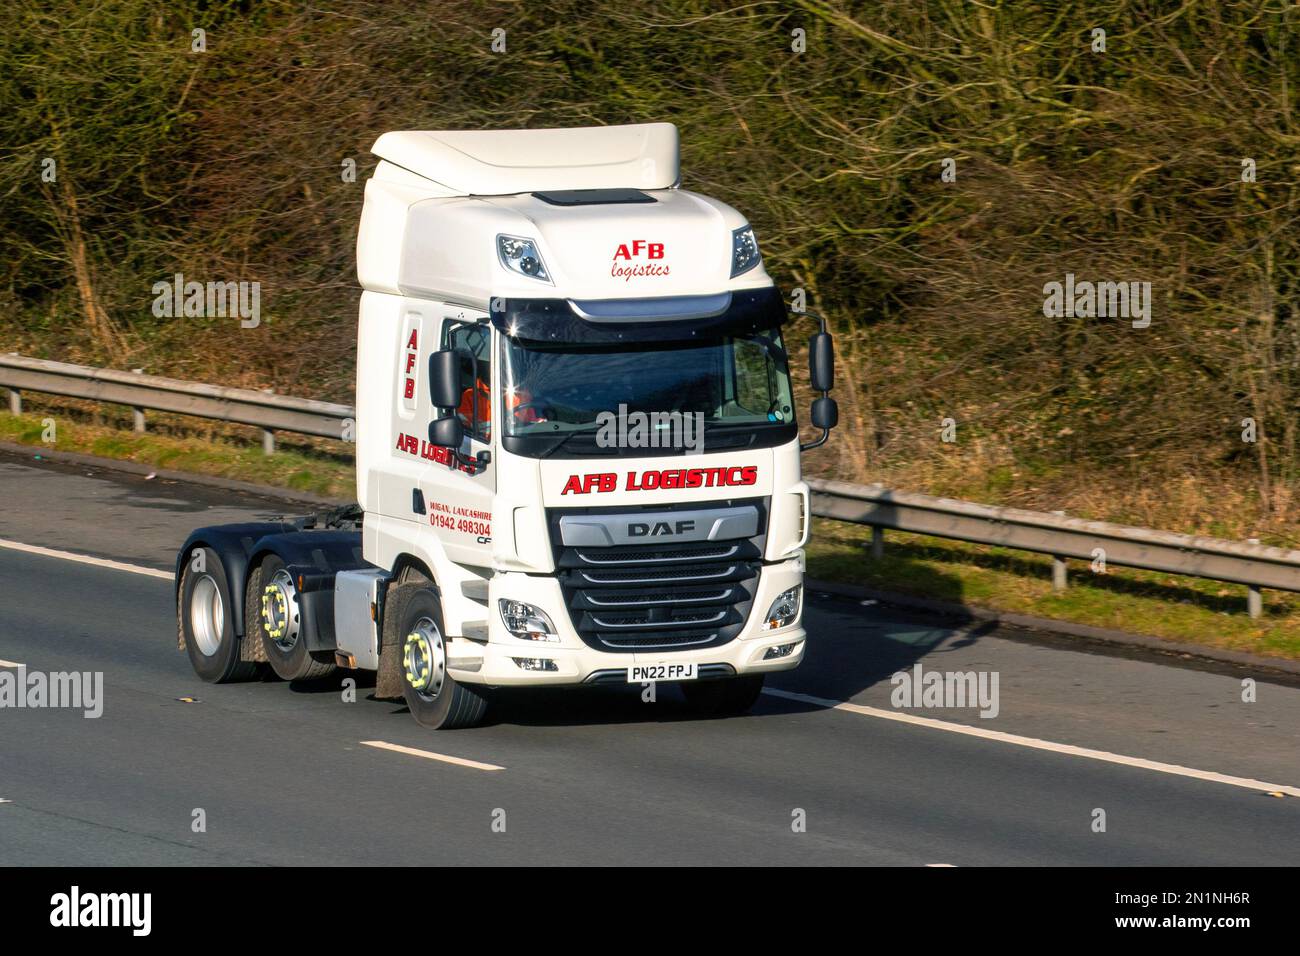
x: 559, y: 321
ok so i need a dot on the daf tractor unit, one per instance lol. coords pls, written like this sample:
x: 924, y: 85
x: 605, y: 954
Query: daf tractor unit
x: 522, y: 290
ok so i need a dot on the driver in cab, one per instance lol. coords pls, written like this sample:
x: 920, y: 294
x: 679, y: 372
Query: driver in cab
x: 476, y: 403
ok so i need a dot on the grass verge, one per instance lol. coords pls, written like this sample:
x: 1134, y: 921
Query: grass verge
x: 1178, y: 608
x: 300, y: 468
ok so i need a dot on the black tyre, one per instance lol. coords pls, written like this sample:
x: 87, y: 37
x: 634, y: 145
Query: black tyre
x: 206, y: 621
x: 728, y: 697
x: 435, y: 699
x: 276, y: 615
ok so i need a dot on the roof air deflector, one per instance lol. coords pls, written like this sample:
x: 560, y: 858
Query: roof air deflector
x: 593, y: 197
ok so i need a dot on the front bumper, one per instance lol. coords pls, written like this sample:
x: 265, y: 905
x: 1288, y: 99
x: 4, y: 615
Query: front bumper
x: 577, y: 663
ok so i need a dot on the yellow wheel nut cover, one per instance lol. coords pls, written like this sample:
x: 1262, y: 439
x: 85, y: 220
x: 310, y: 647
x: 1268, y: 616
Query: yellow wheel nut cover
x: 271, y: 592
x: 417, y: 670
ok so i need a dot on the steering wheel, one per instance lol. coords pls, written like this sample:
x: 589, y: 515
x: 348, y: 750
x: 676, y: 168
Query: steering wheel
x: 538, y: 408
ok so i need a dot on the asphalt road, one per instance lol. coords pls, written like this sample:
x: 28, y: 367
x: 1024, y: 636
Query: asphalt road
x: 281, y: 776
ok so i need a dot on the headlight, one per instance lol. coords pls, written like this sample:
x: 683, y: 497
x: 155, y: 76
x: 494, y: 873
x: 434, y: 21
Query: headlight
x: 526, y: 622
x: 744, y: 250
x: 784, y: 610
x: 521, y: 255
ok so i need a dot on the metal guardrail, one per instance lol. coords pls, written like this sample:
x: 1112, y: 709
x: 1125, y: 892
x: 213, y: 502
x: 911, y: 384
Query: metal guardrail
x: 244, y: 406
x: 1241, y: 562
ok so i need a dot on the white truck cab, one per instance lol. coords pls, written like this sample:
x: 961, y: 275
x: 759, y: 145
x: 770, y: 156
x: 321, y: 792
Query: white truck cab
x: 577, y: 452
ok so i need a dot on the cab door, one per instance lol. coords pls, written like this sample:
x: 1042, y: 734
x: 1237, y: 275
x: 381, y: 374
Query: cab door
x: 458, y: 489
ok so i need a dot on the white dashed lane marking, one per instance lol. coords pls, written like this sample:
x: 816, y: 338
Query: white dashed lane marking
x: 430, y: 755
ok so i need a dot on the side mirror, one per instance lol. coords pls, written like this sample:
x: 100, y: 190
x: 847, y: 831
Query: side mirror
x: 447, y: 432
x: 825, y: 413
x: 821, y: 362
x: 444, y: 381
x: 821, y: 373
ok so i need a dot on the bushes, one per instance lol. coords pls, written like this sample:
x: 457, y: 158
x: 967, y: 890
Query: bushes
x: 1123, y: 165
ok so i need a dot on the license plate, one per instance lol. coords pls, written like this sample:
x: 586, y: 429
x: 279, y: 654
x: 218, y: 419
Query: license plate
x: 649, y: 673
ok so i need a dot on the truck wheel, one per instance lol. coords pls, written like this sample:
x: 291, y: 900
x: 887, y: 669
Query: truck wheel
x: 728, y: 697
x: 278, y: 623
x: 207, y: 624
x: 435, y: 699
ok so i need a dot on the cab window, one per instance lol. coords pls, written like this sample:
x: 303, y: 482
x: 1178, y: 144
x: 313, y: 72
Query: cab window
x: 472, y: 342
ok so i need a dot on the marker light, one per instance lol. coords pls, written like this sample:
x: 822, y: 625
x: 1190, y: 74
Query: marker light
x: 744, y: 250
x: 521, y: 255
x: 784, y: 610
x: 526, y: 622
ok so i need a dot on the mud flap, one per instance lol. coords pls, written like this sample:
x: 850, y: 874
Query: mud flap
x: 250, y: 645
x: 388, y: 680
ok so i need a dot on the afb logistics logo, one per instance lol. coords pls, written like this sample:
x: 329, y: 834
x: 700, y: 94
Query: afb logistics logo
x: 668, y: 478
x: 637, y: 258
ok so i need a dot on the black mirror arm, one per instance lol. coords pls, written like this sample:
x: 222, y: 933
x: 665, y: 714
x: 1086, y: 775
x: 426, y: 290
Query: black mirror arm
x: 479, y: 461
x: 826, y: 432
x: 816, y: 442
x: 457, y: 457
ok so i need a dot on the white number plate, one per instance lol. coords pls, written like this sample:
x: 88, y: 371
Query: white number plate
x: 649, y: 673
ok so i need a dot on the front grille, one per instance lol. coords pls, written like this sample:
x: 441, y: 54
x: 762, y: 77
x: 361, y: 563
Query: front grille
x: 652, y: 596
x: 662, y: 576
x: 643, y: 555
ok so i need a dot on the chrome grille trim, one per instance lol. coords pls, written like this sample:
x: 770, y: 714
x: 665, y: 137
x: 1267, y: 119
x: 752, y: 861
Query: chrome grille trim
x: 641, y: 557
x: 674, y: 622
x: 722, y: 595
x: 686, y: 576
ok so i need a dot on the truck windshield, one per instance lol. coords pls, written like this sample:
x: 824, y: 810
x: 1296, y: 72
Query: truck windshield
x: 560, y: 395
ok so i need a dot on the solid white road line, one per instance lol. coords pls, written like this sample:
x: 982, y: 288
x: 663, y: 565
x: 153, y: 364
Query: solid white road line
x: 84, y: 559
x: 430, y: 755
x: 1036, y: 744
x: 10, y: 664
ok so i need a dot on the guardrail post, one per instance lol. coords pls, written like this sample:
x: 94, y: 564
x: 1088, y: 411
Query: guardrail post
x: 1254, y: 601
x: 138, y: 412
x: 1058, y: 573
x: 268, y: 436
x: 1058, y: 566
x: 15, y: 402
x: 1254, y: 596
x: 877, y: 542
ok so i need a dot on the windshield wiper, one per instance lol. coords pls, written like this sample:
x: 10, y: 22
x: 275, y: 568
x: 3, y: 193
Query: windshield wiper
x: 566, y: 437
